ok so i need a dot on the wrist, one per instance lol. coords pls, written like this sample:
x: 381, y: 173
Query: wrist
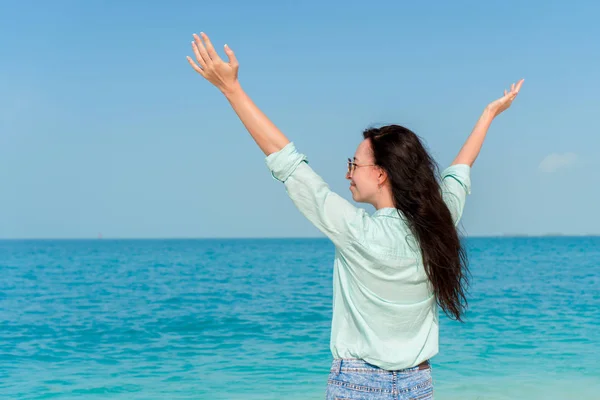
x: 232, y: 90
x: 488, y: 113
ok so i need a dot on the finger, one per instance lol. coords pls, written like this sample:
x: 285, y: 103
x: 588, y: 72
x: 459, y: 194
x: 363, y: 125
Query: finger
x: 202, y: 50
x: 505, y: 93
x: 520, y: 84
x: 231, y: 56
x: 198, y: 56
x: 512, y: 87
x: 209, y: 47
x: 196, y: 67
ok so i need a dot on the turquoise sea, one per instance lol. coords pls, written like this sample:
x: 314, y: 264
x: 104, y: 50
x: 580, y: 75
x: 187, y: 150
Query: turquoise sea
x: 250, y: 319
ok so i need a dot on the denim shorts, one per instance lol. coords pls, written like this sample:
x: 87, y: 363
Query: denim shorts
x: 354, y: 379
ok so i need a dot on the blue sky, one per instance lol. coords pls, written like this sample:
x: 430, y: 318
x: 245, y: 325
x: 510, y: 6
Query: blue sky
x: 104, y: 127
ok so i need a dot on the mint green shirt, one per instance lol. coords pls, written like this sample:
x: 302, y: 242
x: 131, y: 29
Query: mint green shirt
x: 384, y: 310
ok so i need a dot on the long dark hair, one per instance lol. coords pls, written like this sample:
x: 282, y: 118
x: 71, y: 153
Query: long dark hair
x: 417, y: 196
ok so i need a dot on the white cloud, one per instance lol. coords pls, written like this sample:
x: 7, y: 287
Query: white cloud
x: 555, y: 161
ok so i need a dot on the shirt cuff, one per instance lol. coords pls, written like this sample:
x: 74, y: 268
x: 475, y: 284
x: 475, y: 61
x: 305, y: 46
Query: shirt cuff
x: 284, y: 162
x: 460, y: 172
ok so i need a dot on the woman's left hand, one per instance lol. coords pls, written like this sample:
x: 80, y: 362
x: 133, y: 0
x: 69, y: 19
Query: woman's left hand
x: 503, y: 103
x: 224, y: 75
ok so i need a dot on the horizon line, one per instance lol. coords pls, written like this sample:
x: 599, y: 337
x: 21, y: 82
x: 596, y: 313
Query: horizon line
x: 515, y: 235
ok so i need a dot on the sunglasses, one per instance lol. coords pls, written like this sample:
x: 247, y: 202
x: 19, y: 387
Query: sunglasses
x: 352, y: 166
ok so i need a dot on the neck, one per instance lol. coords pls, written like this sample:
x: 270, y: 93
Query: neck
x: 384, y: 199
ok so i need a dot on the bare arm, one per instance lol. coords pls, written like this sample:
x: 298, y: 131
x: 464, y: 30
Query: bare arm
x: 266, y: 135
x: 470, y: 150
x: 333, y: 215
x: 224, y: 76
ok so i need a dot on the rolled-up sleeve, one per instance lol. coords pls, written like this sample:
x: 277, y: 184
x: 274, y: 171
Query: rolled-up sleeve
x: 284, y: 162
x: 456, y: 185
x: 333, y: 215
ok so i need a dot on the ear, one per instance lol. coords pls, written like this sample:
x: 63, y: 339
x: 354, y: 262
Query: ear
x: 382, y: 176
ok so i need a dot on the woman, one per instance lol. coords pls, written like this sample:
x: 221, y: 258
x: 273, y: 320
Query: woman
x: 393, y: 268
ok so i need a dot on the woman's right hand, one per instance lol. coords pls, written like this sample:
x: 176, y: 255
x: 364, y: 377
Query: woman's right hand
x: 224, y: 75
x: 498, y: 106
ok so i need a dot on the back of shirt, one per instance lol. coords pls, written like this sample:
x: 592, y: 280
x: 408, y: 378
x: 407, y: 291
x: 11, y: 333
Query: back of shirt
x: 384, y: 310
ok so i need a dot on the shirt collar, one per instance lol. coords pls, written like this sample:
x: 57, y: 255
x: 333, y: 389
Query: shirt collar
x: 386, y: 212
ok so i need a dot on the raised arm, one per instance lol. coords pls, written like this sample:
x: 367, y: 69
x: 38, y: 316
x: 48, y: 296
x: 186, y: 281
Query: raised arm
x: 341, y: 221
x: 224, y: 75
x: 470, y: 150
x: 456, y: 179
